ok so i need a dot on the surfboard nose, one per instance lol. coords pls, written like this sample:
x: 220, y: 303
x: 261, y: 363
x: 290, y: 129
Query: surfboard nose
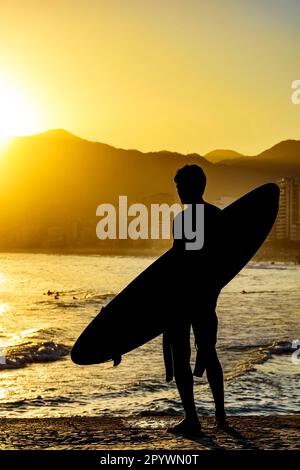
x: 75, y: 357
x: 268, y: 189
x: 269, y: 194
x: 274, y: 189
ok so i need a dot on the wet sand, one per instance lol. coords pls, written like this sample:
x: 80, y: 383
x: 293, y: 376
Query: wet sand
x: 113, y: 433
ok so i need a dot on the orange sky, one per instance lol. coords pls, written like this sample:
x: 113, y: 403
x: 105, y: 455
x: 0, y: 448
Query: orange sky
x: 184, y: 75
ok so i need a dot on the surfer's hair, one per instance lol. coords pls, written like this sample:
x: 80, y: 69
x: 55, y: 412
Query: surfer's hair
x: 191, y: 175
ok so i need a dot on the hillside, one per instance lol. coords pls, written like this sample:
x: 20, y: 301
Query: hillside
x: 216, y: 156
x: 52, y: 183
x: 282, y: 157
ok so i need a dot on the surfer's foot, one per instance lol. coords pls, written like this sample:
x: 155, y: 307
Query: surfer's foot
x: 221, y: 423
x: 190, y: 426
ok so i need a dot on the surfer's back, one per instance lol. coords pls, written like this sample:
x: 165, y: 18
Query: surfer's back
x: 210, y: 213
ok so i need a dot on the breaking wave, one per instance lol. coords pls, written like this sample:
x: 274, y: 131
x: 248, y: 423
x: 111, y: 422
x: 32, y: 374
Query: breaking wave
x: 257, y: 355
x: 21, y: 355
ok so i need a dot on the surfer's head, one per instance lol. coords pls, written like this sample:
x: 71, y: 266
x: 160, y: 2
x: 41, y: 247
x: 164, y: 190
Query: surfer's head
x: 190, y: 181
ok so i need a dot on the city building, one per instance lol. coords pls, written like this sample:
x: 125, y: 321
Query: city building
x: 287, y: 225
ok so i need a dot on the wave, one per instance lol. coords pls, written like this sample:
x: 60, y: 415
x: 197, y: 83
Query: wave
x: 257, y: 354
x: 142, y: 387
x: 271, y: 265
x: 21, y: 355
x: 259, y: 292
x: 165, y: 409
x: 37, y: 401
x: 284, y: 345
x: 41, y: 333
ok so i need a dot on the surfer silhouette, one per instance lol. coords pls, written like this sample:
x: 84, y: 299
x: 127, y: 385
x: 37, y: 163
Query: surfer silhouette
x: 188, y: 282
x: 194, y: 307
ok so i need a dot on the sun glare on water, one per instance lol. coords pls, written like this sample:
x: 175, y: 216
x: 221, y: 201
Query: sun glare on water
x: 17, y: 116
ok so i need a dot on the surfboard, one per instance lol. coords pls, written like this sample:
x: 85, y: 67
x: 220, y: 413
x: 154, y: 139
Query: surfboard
x: 140, y: 312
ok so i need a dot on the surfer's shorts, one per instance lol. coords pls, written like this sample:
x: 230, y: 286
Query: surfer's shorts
x: 176, y: 342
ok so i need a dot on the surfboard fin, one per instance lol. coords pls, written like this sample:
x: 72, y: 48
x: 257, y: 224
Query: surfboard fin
x: 117, y: 360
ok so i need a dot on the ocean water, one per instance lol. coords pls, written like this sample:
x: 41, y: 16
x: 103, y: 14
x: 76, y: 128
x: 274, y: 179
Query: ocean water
x: 47, y: 300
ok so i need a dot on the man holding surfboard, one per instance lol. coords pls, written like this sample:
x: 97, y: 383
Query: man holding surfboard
x: 193, y: 309
x: 194, y: 277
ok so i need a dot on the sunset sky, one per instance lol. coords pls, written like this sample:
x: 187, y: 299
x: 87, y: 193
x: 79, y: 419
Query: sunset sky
x: 181, y: 75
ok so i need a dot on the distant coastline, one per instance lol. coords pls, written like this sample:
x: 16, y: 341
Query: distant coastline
x: 86, y: 251
x: 280, y: 251
x: 42, y: 206
x: 277, y: 251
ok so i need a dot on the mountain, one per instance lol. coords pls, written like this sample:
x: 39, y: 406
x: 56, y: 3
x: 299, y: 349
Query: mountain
x: 282, y: 157
x: 53, y: 134
x: 51, y: 184
x: 287, y: 150
x: 218, y: 155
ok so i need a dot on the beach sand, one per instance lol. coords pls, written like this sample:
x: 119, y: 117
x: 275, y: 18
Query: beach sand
x: 114, y: 433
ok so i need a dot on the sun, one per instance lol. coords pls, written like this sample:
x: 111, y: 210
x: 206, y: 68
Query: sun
x: 17, y: 114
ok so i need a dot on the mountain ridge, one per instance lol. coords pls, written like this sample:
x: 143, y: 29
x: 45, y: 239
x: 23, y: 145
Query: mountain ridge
x: 288, y: 148
x: 54, y: 182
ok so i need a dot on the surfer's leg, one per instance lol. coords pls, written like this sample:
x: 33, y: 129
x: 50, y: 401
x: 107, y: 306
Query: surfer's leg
x: 215, y: 379
x: 184, y: 378
x: 205, y: 332
x: 181, y: 351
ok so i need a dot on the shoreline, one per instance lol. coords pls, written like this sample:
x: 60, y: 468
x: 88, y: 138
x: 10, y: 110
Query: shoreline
x: 275, y: 432
x: 269, y: 254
